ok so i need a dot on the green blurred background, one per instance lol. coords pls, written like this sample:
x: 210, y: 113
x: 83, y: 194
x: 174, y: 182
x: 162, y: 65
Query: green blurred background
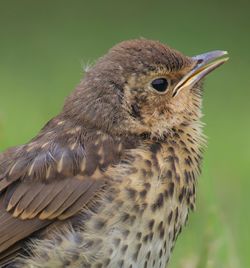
x: 44, y: 45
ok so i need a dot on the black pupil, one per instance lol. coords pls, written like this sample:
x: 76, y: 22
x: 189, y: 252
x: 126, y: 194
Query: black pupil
x: 160, y: 84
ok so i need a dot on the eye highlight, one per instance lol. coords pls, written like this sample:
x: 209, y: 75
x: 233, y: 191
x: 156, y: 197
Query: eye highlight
x: 160, y: 84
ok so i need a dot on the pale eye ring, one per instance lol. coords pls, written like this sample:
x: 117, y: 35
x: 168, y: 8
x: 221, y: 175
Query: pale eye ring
x: 160, y: 84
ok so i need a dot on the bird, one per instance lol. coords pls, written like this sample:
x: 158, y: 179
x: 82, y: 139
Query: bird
x: 110, y: 180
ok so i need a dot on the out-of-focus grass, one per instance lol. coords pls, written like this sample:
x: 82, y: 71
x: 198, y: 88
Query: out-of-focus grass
x: 43, y: 45
x: 214, y: 248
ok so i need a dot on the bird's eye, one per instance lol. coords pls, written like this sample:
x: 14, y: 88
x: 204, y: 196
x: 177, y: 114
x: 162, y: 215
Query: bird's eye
x: 160, y: 84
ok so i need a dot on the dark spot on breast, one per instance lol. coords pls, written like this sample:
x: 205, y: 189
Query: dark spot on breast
x: 169, y: 174
x: 193, y: 189
x: 145, y: 135
x: 193, y: 176
x: 166, y: 194
x: 165, y: 246
x: 158, y: 203
x: 110, y: 198
x: 150, y: 174
x: 182, y: 143
x: 99, y: 224
x: 175, y: 234
x: 171, y: 189
x: 144, y: 172
x: 176, y: 214
x: 121, y: 263
x: 191, y: 141
x: 89, y: 243
x: 171, y: 150
x: 145, y: 238
x: 170, y: 236
x: 170, y: 158
x: 162, y: 232
x: 148, y: 163
x: 187, y: 162
x: 125, y: 233
x: 193, y: 150
x: 176, y: 159
x: 151, y: 224
x: 170, y: 216
x: 106, y: 262
x: 117, y: 241
x: 138, y: 235
x: 119, y: 202
x: 124, y: 249
x: 176, y: 135
x: 143, y: 193
x: 148, y: 255
x: 173, y: 143
x: 143, y: 207
x: 177, y: 177
x: 184, y: 124
x: 160, y: 225
x: 187, y: 176
x: 147, y: 185
x: 136, y: 208
x: 131, y: 193
x: 125, y: 216
x: 196, y: 160
x: 133, y: 170
x: 132, y: 219
x: 155, y: 147
x: 135, y: 256
x: 151, y: 235
x: 182, y: 194
x: 160, y: 253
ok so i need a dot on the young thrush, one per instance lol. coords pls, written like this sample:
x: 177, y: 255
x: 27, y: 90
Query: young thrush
x: 109, y: 182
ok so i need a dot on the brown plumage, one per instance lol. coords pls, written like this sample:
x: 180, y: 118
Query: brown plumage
x: 110, y: 180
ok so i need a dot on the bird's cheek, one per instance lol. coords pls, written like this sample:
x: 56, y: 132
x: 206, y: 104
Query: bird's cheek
x: 180, y: 102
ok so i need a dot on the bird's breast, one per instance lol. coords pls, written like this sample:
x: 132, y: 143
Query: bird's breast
x: 148, y: 203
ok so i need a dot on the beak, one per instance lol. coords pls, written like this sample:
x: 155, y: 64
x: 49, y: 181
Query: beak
x: 205, y: 63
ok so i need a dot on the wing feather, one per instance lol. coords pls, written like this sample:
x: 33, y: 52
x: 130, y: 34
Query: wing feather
x: 13, y: 230
x: 42, y: 200
x: 59, y: 204
x: 65, y: 198
x: 84, y: 199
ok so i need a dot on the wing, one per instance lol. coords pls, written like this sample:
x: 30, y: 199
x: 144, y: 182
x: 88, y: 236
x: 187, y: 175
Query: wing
x: 26, y: 207
x: 40, y: 185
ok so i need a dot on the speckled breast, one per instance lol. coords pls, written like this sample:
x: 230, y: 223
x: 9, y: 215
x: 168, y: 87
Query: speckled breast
x: 148, y: 206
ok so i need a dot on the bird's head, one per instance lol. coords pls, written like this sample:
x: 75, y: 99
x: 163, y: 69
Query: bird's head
x: 142, y: 86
